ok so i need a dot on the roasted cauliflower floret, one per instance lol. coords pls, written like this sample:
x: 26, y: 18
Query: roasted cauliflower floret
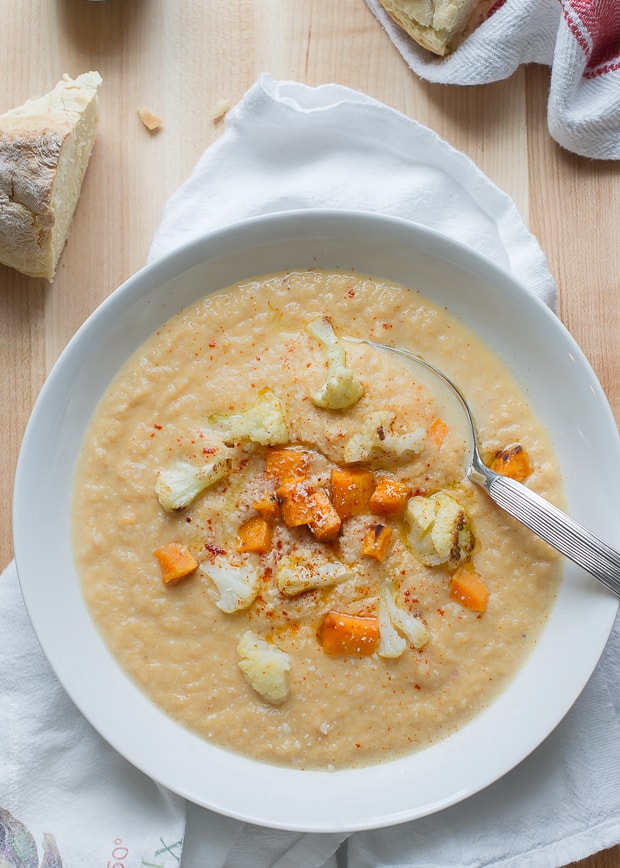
x: 263, y: 423
x: 439, y: 531
x: 237, y: 584
x: 181, y: 482
x: 264, y: 666
x: 298, y: 573
x: 340, y: 389
x: 391, y: 643
x: 376, y: 437
x: 395, y: 623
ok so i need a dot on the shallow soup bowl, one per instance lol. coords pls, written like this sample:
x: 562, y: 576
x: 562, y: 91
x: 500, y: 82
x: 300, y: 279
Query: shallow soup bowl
x: 563, y: 392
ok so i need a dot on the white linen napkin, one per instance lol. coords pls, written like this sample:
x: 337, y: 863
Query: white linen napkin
x: 64, y: 791
x: 579, y: 40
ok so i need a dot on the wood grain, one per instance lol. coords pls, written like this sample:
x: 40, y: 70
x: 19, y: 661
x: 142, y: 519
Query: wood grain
x: 178, y: 59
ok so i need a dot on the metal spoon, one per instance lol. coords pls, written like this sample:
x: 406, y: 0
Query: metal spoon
x: 546, y: 520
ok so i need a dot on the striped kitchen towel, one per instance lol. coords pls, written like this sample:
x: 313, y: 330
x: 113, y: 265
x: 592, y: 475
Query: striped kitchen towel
x: 578, y: 39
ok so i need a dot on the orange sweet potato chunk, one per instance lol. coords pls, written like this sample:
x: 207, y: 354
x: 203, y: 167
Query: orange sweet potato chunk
x: 376, y: 542
x: 352, y: 635
x: 389, y: 497
x: 437, y: 431
x: 513, y: 461
x: 295, y: 499
x: 283, y: 465
x: 468, y: 589
x: 325, y: 522
x: 176, y: 562
x: 268, y: 507
x: 351, y: 490
x: 254, y: 535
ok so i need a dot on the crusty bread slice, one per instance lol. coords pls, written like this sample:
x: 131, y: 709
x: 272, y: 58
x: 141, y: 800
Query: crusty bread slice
x: 45, y: 146
x: 438, y: 25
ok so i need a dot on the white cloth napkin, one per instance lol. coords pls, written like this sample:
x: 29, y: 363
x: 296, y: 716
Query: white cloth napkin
x: 579, y: 40
x: 65, y: 792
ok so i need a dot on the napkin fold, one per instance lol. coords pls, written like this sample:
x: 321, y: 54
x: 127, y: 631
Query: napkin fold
x: 578, y: 39
x: 290, y: 146
x: 66, y: 798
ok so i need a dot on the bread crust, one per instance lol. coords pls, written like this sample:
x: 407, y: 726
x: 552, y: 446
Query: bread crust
x: 45, y: 145
x: 438, y: 25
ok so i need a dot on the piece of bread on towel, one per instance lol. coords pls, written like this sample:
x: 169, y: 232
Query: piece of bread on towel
x: 438, y: 25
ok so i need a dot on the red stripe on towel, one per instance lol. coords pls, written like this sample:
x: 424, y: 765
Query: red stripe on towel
x: 595, y: 24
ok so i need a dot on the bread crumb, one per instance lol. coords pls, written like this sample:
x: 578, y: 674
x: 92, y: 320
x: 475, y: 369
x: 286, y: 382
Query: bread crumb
x: 150, y: 121
x: 220, y: 108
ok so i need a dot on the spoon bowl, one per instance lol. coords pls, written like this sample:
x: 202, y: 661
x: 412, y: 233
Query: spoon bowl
x: 543, y: 518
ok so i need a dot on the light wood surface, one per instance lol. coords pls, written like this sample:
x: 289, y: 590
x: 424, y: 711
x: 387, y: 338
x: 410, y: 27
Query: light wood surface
x: 178, y: 59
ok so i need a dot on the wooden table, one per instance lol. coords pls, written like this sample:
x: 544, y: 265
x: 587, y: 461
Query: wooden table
x: 179, y: 58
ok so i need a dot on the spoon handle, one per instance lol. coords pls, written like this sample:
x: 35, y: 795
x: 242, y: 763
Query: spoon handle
x: 547, y: 521
x: 558, y: 529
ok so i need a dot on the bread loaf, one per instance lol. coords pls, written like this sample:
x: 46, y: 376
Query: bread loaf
x: 438, y: 25
x: 45, y: 146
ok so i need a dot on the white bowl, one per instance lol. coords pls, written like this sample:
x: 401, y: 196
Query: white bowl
x: 564, y: 393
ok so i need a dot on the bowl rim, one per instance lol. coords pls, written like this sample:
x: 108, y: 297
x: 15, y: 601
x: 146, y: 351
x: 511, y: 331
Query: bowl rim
x: 293, y: 226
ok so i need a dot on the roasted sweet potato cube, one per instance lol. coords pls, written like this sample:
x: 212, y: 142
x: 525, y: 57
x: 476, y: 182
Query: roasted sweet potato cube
x: 268, y: 506
x: 351, y: 490
x: 468, y: 589
x: 437, y: 431
x: 176, y: 562
x: 254, y: 535
x: 376, y: 542
x: 352, y: 635
x: 389, y: 497
x: 512, y: 461
x: 325, y: 522
x: 295, y: 502
x: 283, y: 465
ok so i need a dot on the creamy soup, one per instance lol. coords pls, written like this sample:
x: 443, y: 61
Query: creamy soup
x: 274, y: 534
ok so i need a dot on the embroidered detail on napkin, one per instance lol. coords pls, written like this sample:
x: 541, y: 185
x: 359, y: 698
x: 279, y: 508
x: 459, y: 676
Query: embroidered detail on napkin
x: 66, y: 797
